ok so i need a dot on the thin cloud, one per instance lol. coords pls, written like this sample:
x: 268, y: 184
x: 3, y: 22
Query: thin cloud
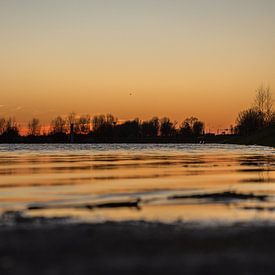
x: 18, y: 108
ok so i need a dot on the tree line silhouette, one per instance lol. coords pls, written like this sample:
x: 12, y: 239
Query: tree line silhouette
x: 102, y: 128
x: 107, y: 128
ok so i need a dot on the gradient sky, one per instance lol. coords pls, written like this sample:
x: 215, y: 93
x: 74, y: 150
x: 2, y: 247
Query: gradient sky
x: 176, y: 57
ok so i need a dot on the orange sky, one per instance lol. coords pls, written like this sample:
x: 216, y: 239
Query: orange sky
x: 177, y: 58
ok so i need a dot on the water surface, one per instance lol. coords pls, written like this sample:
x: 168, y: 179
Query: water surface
x: 189, y: 182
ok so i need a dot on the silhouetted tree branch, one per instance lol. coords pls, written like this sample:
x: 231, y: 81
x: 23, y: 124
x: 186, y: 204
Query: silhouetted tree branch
x: 34, y: 127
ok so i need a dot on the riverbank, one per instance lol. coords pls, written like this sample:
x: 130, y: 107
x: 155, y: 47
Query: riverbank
x: 41, y: 246
x: 265, y: 137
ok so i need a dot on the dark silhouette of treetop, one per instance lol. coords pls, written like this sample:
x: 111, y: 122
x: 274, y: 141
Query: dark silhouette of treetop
x: 34, y: 127
x: 259, y: 116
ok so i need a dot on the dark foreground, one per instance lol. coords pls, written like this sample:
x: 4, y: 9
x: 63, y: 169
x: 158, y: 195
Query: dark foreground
x: 136, y: 248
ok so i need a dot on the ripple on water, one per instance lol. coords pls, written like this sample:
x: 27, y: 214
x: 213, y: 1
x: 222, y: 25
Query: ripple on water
x: 210, y: 181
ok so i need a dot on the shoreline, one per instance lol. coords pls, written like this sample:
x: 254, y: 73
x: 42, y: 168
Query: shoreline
x: 232, y: 141
x: 54, y: 246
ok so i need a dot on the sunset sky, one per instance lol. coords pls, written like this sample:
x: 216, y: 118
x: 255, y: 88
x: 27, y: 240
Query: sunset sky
x: 135, y: 58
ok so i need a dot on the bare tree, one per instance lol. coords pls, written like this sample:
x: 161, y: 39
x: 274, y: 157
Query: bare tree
x: 111, y: 120
x: 151, y: 127
x: 103, y: 126
x: 190, y: 121
x: 263, y: 102
x: 250, y: 121
x: 185, y: 129
x: 34, y: 127
x: 2, y: 125
x: 58, y: 125
x: 83, y: 125
x: 11, y: 128
x: 11, y: 124
x: 98, y: 122
x: 191, y: 126
x: 167, y: 127
x: 71, y: 119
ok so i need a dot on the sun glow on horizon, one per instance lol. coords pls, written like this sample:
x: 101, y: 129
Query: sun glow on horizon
x: 135, y: 58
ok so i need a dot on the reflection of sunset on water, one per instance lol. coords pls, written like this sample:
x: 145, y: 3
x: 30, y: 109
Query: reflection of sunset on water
x: 66, y: 178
